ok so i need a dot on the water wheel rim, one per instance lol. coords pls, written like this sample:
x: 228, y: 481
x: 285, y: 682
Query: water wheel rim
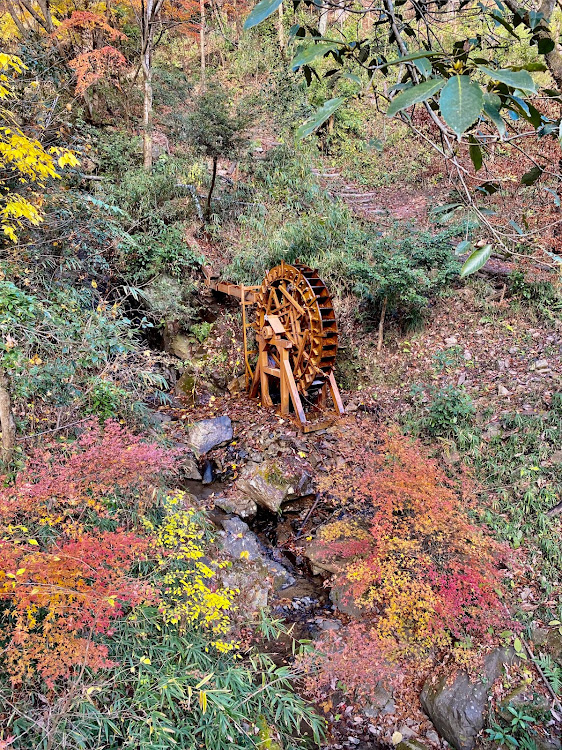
x: 297, y: 295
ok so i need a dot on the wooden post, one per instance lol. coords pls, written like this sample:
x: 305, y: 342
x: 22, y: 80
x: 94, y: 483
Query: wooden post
x: 334, y: 390
x: 264, y: 382
x: 283, y: 365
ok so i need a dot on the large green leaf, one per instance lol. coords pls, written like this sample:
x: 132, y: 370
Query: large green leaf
x: 415, y: 94
x: 476, y: 260
x: 461, y: 102
x: 262, y: 11
x: 518, y: 79
x: 310, y: 54
x: 492, y: 106
x: 320, y: 116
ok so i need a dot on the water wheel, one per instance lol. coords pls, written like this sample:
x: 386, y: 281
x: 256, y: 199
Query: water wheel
x: 297, y: 339
x: 298, y: 297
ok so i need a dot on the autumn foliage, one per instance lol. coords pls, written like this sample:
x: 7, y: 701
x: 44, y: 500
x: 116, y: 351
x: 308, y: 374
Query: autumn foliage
x: 424, y: 577
x: 66, y: 554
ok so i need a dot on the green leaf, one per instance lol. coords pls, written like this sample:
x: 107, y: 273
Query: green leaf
x: 463, y: 247
x: 475, y: 153
x: 461, y: 102
x: 518, y: 646
x: 310, y: 54
x: 530, y: 177
x: 415, y: 94
x: 492, y: 106
x: 545, y: 45
x: 262, y: 11
x: 518, y: 79
x: 321, y: 115
x: 424, y: 66
x: 476, y: 260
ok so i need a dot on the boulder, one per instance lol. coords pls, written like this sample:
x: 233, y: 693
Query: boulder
x: 239, y: 505
x: 252, y: 572
x: 207, y: 434
x: 343, y: 600
x: 458, y: 708
x: 181, y: 346
x: 381, y: 703
x: 190, y: 469
x: 270, y: 486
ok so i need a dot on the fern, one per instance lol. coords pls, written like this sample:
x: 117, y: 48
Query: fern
x: 551, y: 670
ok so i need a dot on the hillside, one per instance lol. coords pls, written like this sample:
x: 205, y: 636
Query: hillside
x: 186, y: 560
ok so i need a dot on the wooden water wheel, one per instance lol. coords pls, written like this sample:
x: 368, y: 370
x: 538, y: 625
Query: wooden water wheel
x: 298, y: 297
x: 297, y: 338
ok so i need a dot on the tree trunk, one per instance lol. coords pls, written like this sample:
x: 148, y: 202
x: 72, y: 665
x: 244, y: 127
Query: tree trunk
x: 149, y: 13
x: 323, y: 19
x: 280, y: 27
x: 213, y: 179
x: 202, y: 41
x: 381, y: 325
x: 147, y: 112
x: 7, y: 421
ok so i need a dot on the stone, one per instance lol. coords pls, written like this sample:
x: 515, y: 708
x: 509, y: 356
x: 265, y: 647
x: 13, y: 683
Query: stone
x: 208, y: 473
x: 412, y: 744
x: 190, y: 469
x: 382, y: 703
x: 241, y: 544
x: 185, y: 388
x: 541, y: 365
x: 502, y: 391
x: 458, y: 709
x: 451, y: 341
x: 207, y: 434
x: 343, y: 600
x: 556, y: 457
x: 432, y: 736
x: 181, y: 346
x: 270, y: 486
x: 239, y: 505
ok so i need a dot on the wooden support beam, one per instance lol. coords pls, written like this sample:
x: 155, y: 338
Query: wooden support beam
x: 334, y: 390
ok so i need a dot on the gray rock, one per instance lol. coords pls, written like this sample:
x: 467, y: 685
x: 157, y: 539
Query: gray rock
x: 458, y: 708
x: 238, y: 504
x: 411, y: 744
x: 269, y: 486
x: 190, y: 468
x: 502, y: 391
x: 382, y: 703
x: 207, y: 434
x: 181, y: 346
x: 242, y: 545
x: 556, y: 457
x: 344, y: 601
x: 208, y: 473
x: 432, y: 736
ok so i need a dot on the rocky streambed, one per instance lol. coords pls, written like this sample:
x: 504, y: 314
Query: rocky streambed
x: 258, y: 483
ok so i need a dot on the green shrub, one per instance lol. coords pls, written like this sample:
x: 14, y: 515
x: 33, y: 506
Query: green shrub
x: 106, y: 400
x: 450, y: 410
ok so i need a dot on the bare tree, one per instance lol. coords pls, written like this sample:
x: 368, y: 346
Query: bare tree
x: 150, y: 11
x: 7, y: 421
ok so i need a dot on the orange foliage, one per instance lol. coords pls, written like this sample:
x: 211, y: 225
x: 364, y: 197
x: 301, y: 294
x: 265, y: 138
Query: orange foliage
x: 425, y: 577
x: 84, y: 20
x: 63, y: 580
x: 91, y: 67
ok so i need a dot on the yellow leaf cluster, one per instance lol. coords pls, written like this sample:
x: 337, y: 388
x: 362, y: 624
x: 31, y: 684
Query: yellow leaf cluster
x: 24, y: 161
